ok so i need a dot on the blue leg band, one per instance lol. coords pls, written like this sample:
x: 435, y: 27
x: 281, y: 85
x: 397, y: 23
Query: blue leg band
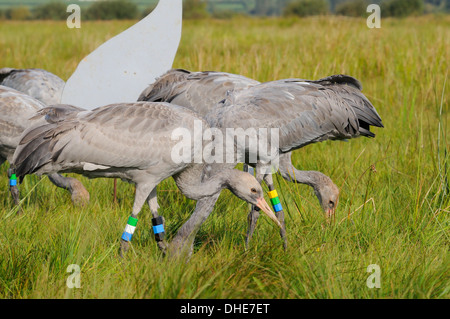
x: 277, y: 208
x: 126, y: 236
x: 158, y: 229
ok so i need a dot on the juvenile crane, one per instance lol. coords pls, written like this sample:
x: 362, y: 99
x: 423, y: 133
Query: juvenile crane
x: 132, y: 141
x: 305, y: 112
x: 16, y: 112
x: 37, y: 83
x: 300, y: 108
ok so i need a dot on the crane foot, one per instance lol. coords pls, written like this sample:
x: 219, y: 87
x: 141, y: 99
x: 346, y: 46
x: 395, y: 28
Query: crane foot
x: 180, y: 249
x: 80, y: 196
x: 124, y: 246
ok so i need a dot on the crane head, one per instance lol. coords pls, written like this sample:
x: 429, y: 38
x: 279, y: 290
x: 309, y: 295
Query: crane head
x: 246, y: 187
x: 328, y: 194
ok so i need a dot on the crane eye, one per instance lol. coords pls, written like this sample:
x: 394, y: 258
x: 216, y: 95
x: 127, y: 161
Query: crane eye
x: 253, y: 190
x: 331, y: 204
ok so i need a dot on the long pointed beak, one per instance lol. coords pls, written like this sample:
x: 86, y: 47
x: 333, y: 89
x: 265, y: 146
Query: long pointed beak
x: 329, y: 215
x: 262, y: 204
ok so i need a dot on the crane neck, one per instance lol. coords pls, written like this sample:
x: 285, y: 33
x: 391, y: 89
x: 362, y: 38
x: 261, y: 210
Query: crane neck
x: 311, y: 178
x: 201, y: 180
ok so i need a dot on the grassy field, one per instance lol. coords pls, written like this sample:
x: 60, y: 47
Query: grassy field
x: 394, y: 205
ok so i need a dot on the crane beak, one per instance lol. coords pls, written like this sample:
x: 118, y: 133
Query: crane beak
x: 262, y: 204
x: 329, y: 215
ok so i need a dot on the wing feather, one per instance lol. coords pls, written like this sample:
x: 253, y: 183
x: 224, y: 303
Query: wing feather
x: 16, y: 109
x: 199, y: 91
x: 37, y: 83
x: 117, y: 136
x: 314, y: 114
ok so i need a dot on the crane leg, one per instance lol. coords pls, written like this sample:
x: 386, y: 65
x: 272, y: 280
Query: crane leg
x: 277, y: 207
x: 157, y: 221
x: 142, y: 193
x: 253, y: 216
x: 182, y: 246
x: 80, y: 196
x: 252, y: 219
x: 13, y: 188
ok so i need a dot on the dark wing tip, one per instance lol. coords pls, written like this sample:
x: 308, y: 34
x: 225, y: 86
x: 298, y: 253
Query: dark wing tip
x: 366, y: 133
x: 379, y: 124
x: 182, y: 71
x: 4, y: 73
x: 339, y: 79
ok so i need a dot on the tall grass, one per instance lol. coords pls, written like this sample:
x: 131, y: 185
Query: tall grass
x: 394, y: 205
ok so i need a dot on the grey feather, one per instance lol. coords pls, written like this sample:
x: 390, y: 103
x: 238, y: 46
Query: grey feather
x: 57, y: 113
x: 37, y: 83
x: 349, y: 89
x: 16, y: 109
x: 303, y: 113
x: 18, y: 113
x: 199, y: 91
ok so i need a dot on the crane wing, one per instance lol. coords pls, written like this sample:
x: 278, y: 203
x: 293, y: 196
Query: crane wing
x: 37, y: 83
x: 304, y: 112
x: 16, y: 109
x: 130, y: 135
x: 199, y: 91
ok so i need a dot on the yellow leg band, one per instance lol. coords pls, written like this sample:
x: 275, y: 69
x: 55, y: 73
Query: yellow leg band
x: 273, y: 194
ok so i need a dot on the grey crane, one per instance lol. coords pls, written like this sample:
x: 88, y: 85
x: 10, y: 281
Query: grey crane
x: 132, y: 141
x: 38, y: 83
x: 305, y: 112
x: 47, y: 88
x: 309, y: 102
x: 16, y: 112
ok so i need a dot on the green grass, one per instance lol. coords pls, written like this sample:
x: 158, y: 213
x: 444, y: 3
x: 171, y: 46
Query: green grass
x: 394, y: 205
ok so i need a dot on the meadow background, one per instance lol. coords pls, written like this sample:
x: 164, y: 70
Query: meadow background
x: 394, y: 205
